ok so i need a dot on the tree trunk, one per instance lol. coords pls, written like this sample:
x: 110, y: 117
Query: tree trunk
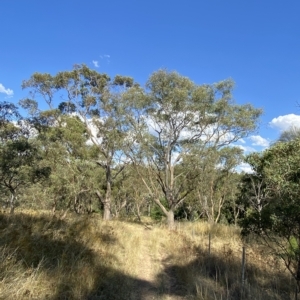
x: 170, y: 219
x: 236, y: 212
x: 12, y: 203
x: 107, y: 211
x: 54, y: 208
x: 185, y: 215
x: 168, y: 213
x: 106, y: 205
x: 298, y: 274
x: 64, y: 214
x: 107, y: 201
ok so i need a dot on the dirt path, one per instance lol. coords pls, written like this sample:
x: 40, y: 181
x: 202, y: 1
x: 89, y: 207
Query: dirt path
x: 156, y: 278
x: 147, y: 266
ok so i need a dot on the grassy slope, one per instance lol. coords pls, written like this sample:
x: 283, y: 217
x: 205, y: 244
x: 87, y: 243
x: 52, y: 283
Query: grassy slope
x: 85, y: 258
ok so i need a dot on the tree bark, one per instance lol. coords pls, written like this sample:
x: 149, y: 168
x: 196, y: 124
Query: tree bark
x: 107, y: 202
x: 106, y: 205
x: 107, y: 211
x: 12, y: 203
x: 171, y: 220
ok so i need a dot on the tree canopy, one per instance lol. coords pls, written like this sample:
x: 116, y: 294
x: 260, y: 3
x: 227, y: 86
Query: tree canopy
x: 169, y: 142
x: 182, y: 121
x: 271, y: 197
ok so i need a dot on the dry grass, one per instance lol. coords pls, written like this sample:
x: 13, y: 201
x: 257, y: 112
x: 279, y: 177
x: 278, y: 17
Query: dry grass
x: 85, y: 258
x: 218, y: 275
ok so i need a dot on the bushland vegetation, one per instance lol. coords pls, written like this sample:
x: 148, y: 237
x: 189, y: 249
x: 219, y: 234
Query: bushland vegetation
x: 84, y: 257
x: 111, y: 190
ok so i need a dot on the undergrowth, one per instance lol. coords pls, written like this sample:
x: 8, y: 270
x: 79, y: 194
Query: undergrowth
x: 83, y: 257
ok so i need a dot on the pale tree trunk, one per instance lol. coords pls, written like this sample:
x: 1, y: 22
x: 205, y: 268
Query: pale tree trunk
x: 12, y: 202
x: 236, y: 213
x: 168, y: 213
x: 138, y: 212
x: 170, y: 219
x: 54, y: 206
x: 220, y: 206
x: 212, y: 203
x: 107, y: 211
x: 118, y: 208
x: 107, y: 202
x: 64, y: 214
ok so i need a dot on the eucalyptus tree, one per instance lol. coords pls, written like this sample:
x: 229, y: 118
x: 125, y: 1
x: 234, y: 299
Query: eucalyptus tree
x: 180, y: 117
x: 72, y: 182
x: 290, y: 134
x: 19, y: 155
x: 62, y: 139
x: 130, y: 195
x: 16, y: 161
x: 97, y: 101
x: 11, y: 122
x: 215, y: 181
x: 272, y: 206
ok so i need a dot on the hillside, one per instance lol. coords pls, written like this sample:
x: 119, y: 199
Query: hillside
x: 85, y: 258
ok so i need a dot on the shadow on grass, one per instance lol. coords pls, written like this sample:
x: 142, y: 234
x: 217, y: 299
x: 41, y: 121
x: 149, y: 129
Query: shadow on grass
x: 77, y: 271
x: 57, y: 249
x: 219, y: 277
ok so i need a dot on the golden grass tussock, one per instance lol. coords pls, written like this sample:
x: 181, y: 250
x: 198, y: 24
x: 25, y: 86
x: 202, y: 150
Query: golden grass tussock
x: 83, y: 257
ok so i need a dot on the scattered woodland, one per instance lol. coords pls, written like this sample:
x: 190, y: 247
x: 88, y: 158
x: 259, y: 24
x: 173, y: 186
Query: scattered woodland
x: 112, y: 190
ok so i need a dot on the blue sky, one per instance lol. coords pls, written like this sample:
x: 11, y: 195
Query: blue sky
x: 256, y: 43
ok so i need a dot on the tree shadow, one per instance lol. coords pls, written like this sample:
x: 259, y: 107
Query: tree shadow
x: 60, y: 251
x: 120, y: 286
x: 219, y: 277
x: 53, y: 247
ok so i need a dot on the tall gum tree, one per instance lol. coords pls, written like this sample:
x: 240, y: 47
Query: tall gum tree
x: 215, y: 181
x: 19, y: 156
x: 97, y: 101
x: 271, y: 199
x: 179, y: 118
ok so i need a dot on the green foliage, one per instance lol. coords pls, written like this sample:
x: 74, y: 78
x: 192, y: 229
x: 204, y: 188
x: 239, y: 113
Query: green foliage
x: 272, y: 201
x: 123, y: 81
x: 187, y: 121
x: 19, y: 167
x: 174, y: 132
x: 97, y: 133
x: 67, y: 107
x: 289, y: 135
x: 293, y: 247
x: 155, y: 212
x: 19, y: 155
x: 8, y: 113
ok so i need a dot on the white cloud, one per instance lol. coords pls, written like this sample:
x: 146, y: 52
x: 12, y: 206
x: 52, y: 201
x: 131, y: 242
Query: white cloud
x: 242, y: 141
x: 285, y: 122
x: 244, y: 167
x: 106, y: 57
x: 8, y: 92
x: 257, y: 140
x: 96, y: 63
x: 92, y: 128
x: 246, y: 148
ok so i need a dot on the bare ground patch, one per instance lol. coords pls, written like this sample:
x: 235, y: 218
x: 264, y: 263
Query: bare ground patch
x: 157, y: 276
